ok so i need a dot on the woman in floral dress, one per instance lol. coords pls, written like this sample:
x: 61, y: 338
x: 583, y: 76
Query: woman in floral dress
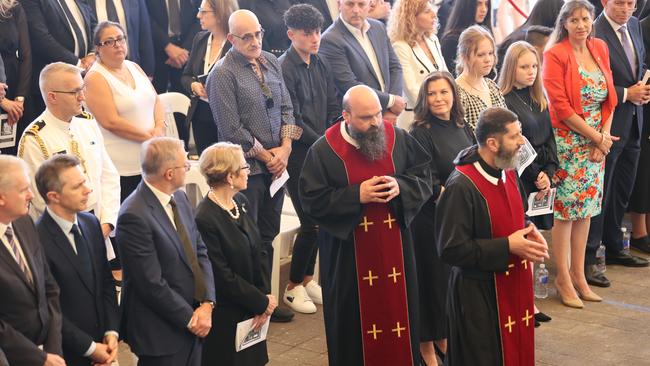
x: 579, y: 84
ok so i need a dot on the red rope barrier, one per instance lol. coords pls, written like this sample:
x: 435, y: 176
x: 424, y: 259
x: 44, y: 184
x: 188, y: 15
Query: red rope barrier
x: 512, y: 2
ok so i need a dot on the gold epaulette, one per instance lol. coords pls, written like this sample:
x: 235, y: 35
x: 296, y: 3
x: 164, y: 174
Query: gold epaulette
x: 33, y: 131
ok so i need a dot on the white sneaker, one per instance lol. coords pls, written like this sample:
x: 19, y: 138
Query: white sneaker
x: 315, y: 292
x: 298, y: 300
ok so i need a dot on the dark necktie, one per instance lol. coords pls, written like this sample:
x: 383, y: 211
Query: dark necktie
x: 199, y: 281
x: 629, y: 52
x: 16, y: 252
x: 111, y: 12
x: 81, y: 45
x: 82, y: 253
x: 174, y: 14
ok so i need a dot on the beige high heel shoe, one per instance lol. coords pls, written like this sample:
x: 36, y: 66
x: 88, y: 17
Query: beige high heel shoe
x: 575, y: 303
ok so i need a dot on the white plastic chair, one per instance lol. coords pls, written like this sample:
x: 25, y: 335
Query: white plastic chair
x: 174, y: 103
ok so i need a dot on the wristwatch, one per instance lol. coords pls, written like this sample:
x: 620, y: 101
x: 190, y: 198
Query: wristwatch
x: 19, y: 99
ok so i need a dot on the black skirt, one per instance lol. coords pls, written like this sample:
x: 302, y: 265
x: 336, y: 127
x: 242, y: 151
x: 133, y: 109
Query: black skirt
x: 640, y: 199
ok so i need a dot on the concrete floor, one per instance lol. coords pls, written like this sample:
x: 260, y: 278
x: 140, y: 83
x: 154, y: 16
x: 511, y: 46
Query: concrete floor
x: 614, y: 332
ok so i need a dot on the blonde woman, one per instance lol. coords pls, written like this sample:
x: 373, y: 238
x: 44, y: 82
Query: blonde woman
x: 476, y: 58
x: 412, y: 29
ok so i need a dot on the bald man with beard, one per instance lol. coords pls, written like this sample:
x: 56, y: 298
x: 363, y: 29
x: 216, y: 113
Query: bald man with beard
x: 363, y: 183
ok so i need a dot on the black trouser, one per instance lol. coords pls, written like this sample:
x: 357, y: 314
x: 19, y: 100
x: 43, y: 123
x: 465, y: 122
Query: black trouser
x: 203, y: 126
x: 188, y: 355
x: 305, y: 249
x: 266, y: 211
x: 620, y: 172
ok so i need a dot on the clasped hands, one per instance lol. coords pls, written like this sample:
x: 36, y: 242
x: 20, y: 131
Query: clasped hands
x: 201, y: 320
x: 380, y: 189
x: 601, y: 149
x: 275, y: 159
x: 528, y: 243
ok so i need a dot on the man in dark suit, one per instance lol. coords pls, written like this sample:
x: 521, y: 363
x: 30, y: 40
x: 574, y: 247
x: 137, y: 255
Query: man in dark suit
x: 173, y: 27
x: 134, y: 18
x: 76, y: 253
x: 59, y: 30
x: 30, y: 318
x: 328, y: 8
x: 360, y: 51
x: 168, y: 292
x: 621, y: 31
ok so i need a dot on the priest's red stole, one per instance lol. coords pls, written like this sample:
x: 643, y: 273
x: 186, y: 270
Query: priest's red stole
x: 383, y: 305
x: 514, y: 287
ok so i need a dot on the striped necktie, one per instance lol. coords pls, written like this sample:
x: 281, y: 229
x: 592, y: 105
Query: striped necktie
x: 19, y: 258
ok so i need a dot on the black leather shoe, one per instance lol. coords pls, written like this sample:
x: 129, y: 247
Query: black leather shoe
x: 642, y: 244
x: 596, y: 278
x: 541, y: 317
x: 626, y: 260
x: 282, y: 315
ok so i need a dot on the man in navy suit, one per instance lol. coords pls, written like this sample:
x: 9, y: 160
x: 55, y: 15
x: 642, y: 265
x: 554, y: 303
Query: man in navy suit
x: 30, y: 319
x: 168, y: 292
x: 621, y: 31
x: 133, y: 16
x: 360, y: 51
x: 74, y: 246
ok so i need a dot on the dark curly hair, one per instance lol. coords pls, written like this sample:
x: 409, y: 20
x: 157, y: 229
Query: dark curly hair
x: 304, y: 17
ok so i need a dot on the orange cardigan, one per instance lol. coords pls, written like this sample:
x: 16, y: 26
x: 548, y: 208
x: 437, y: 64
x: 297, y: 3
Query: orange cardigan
x: 562, y: 81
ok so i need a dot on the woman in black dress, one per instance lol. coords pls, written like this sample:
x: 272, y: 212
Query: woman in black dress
x: 233, y: 243
x: 208, y: 47
x: 521, y: 85
x: 16, y: 52
x: 439, y: 127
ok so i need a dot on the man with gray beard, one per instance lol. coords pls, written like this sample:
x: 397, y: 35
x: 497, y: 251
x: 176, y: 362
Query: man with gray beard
x: 363, y: 183
x: 482, y: 232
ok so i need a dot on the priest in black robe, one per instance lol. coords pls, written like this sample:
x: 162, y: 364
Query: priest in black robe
x: 363, y: 183
x: 482, y: 232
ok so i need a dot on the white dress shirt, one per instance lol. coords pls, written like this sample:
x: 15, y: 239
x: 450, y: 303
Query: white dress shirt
x: 102, y: 15
x: 164, y: 199
x: 79, y: 19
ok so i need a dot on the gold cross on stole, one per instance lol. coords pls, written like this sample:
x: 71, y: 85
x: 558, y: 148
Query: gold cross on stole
x: 370, y: 277
x: 389, y: 221
x: 394, y: 275
x: 398, y: 330
x: 527, y: 317
x: 374, y: 331
x: 366, y: 223
x: 509, y: 324
x: 509, y: 266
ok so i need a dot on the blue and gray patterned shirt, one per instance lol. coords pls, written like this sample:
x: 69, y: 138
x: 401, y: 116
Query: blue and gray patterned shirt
x: 241, y: 108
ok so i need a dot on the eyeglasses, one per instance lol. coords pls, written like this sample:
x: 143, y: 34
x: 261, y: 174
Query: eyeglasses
x: 248, y: 37
x: 119, y: 41
x: 203, y: 11
x: 245, y: 166
x: 187, y: 166
x: 76, y: 92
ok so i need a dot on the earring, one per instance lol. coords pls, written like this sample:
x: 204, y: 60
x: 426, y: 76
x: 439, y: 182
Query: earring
x: 232, y: 187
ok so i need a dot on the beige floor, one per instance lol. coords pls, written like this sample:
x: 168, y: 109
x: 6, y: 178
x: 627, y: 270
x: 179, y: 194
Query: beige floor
x: 615, y: 332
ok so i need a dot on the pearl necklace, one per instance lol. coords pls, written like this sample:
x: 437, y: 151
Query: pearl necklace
x: 234, y: 216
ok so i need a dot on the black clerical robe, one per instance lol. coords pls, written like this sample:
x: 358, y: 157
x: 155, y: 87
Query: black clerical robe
x: 487, y: 325
x: 330, y: 195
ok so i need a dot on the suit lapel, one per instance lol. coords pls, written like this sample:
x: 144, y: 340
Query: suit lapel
x: 382, y: 61
x: 11, y: 262
x: 637, y: 41
x: 422, y: 58
x: 64, y: 246
x: 28, y: 257
x: 352, y: 41
x: 613, y: 41
x: 158, y: 212
x: 54, y: 4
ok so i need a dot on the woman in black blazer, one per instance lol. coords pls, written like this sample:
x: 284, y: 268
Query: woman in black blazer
x: 233, y: 243
x: 208, y: 47
x: 16, y: 52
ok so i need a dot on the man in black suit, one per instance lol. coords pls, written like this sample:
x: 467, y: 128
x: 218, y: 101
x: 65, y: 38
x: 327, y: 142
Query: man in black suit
x: 30, y: 317
x: 59, y: 30
x: 168, y: 292
x: 622, y: 33
x: 76, y: 253
x: 173, y: 27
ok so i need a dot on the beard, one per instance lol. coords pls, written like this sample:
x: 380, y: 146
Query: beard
x: 372, y: 143
x: 505, y: 159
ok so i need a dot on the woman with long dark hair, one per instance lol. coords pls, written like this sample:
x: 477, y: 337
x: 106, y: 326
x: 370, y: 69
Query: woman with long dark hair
x: 461, y: 18
x: 440, y: 129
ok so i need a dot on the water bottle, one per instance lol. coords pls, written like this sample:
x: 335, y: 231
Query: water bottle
x: 541, y: 282
x: 626, y: 240
x: 600, y: 259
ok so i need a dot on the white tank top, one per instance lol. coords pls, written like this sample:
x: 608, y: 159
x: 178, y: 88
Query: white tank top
x: 134, y: 105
